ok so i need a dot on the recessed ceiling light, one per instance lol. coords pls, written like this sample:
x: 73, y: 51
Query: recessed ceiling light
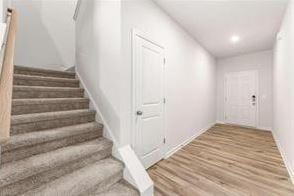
x: 235, y: 39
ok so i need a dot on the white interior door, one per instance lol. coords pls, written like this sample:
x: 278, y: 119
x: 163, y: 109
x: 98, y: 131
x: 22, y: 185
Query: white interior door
x: 149, y: 100
x: 241, y: 98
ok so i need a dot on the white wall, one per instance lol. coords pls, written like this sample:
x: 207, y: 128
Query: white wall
x: 261, y: 61
x: 46, y: 33
x: 104, y: 62
x: 98, y: 53
x: 1, y: 10
x: 283, y: 73
x: 4, y: 5
x: 190, y: 73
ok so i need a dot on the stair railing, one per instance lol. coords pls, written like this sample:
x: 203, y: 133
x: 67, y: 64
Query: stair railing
x: 6, y: 74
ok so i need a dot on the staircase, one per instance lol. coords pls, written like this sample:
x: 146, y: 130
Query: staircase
x: 56, y: 147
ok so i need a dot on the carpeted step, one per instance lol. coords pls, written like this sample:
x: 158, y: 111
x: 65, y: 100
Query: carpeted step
x: 42, y: 72
x: 121, y: 188
x: 27, y: 174
x: 27, y: 80
x: 22, y: 92
x: 49, y: 120
x: 100, y: 175
x: 56, y: 148
x: 25, y: 145
x: 27, y: 106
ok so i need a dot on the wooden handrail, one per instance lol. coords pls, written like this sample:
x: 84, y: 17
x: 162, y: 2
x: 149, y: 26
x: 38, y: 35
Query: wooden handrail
x: 6, y: 75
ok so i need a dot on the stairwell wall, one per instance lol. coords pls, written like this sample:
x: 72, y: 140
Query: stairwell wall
x: 45, y: 34
x: 98, y: 54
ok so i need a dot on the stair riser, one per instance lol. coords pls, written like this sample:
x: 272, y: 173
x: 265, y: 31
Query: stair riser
x: 40, y: 73
x: 50, y: 83
x: 35, y: 181
x: 50, y: 107
x: 105, y: 185
x: 24, y: 152
x: 51, y: 124
x: 19, y: 94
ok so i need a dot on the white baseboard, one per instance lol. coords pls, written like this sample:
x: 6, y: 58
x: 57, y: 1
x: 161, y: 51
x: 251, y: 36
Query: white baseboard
x: 99, y: 117
x: 187, y: 141
x: 134, y: 171
x: 71, y: 68
x: 264, y: 128
x: 258, y: 127
x: 284, y: 156
x: 220, y: 122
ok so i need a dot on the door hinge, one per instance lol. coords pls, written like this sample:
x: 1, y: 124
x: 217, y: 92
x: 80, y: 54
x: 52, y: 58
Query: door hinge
x: 164, y: 140
x: 164, y: 100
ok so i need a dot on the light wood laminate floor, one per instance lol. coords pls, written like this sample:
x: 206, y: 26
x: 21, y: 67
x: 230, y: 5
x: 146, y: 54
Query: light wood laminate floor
x: 225, y: 160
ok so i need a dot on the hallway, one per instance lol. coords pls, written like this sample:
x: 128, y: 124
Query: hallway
x: 225, y: 160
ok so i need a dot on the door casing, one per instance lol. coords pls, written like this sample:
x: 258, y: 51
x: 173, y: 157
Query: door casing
x: 256, y: 123
x: 137, y: 33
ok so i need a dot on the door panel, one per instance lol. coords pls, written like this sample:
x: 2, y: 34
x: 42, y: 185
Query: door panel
x: 151, y: 75
x: 240, y: 108
x: 149, y: 94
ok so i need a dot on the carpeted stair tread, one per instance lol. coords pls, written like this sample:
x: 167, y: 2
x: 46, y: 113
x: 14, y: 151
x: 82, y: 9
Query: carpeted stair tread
x: 44, y: 88
x: 28, y: 80
x: 42, y: 72
x: 35, y: 117
x: 25, y: 145
x: 121, y: 188
x: 25, y: 123
x: 56, y: 147
x: 34, y: 138
x: 16, y: 171
x: 39, y: 105
x: 22, y: 92
x: 102, y: 174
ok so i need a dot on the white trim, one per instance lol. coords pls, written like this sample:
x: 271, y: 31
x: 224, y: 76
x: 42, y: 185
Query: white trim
x: 99, y: 117
x: 134, y: 171
x: 220, y: 122
x: 264, y: 128
x: 187, y: 141
x: 259, y: 127
x: 284, y: 156
x: 138, y: 33
x: 70, y: 69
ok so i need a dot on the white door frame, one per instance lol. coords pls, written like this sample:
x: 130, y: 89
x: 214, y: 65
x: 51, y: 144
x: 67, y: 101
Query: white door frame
x: 137, y: 33
x: 257, y: 96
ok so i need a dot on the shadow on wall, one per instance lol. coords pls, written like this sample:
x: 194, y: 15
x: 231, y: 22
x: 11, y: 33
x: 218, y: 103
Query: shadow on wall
x: 45, y: 38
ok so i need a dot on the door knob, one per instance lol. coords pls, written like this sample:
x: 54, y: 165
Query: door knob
x: 253, y: 100
x: 139, y: 113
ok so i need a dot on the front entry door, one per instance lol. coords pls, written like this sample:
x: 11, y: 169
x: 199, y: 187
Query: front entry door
x: 241, y: 98
x: 149, y: 100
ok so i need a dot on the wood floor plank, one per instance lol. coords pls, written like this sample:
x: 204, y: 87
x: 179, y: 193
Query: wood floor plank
x: 224, y: 161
